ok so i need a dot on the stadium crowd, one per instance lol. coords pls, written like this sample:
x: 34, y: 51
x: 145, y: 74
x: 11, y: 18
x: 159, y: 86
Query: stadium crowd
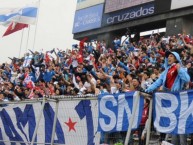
x: 93, y: 68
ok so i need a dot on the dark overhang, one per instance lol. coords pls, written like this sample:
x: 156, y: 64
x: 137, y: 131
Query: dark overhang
x: 143, y: 24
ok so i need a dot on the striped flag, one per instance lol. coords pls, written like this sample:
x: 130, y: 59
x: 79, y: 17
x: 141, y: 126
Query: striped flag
x: 25, y: 15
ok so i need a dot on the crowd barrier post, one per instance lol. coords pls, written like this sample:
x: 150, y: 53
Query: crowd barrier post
x: 55, y: 120
x: 132, y: 118
x: 40, y: 116
x: 149, y: 122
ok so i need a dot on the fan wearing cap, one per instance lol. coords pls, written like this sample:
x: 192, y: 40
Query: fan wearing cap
x: 188, y: 43
x: 172, y: 79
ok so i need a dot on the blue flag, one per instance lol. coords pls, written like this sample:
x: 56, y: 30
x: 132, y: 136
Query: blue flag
x: 116, y: 110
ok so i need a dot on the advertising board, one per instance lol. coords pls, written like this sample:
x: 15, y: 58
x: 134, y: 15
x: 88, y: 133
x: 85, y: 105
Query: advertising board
x: 87, y: 19
x: 128, y: 14
x: 114, y: 5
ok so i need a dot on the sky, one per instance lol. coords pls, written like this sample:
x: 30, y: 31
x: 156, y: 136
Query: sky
x: 53, y: 29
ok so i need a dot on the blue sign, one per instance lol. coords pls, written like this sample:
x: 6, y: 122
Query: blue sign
x: 128, y: 14
x: 116, y: 110
x: 87, y: 19
x: 173, y: 112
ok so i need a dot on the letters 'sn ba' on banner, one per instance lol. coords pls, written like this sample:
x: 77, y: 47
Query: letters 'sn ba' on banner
x: 173, y: 112
x: 115, y: 111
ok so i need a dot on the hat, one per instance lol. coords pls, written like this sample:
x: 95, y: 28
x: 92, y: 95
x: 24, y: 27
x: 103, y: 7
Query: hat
x: 149, y: 64
x: 168, y: 53
x: 179, y: 34
x: 187, y: 39
x: 87, y: 58
x: 82, y: 89
x: 136, y: 78
x: 87, y: 85
x: 55, y: 82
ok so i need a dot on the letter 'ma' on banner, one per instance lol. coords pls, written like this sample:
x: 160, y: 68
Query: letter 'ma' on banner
x: 76, y: 123
x: 116, y: 110
x: 49, y: 121
x: 173, y: 112
x: 28, y: 116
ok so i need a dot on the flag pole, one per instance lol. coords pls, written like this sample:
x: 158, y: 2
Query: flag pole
x: 36, y: 25
x: 27, y: 39
x: 21, y: 43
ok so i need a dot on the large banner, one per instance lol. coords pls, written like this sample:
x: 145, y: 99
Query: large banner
x: 87, y: 19
x: 116, y: 110
x: 76, y: 123
x: 82, y: 4
x: 114, y: 5
x: 173, y: 112
x: 176, y: 4
x: 80, y: 122
x: 128, y: 14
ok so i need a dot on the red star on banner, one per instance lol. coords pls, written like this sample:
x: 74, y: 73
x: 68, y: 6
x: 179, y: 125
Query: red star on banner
x: 70, y: 124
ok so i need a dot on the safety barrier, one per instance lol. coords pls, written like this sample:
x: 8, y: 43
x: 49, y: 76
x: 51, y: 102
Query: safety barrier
x: 55, y: 120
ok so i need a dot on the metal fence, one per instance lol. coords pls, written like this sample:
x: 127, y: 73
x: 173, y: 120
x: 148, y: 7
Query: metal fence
x: 58, y: 105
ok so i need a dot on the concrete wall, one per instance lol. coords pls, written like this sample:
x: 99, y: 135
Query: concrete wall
x: 179, y: 25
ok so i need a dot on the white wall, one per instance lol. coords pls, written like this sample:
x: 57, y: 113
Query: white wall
x: 114, y: 5
x: 88, y: 3
x: 176, y: 4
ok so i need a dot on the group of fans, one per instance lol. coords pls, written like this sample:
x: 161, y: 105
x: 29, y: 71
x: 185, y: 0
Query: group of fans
x: 93, y: 68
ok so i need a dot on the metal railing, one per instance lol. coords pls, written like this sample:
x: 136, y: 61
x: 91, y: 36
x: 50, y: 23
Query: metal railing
x: 57, y: 99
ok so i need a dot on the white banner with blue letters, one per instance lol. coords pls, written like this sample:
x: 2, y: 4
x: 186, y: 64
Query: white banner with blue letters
x: 76, y: 123
x: 116, y: 110
x: 173, y: 112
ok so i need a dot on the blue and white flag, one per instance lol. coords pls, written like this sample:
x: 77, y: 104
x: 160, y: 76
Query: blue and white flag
x: 27, y: 60
x: 25, y: 15
x: 173, y: 112
x: 116, y: 110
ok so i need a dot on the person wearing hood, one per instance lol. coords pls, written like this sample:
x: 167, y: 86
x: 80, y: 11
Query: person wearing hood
x: 173, y: 79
